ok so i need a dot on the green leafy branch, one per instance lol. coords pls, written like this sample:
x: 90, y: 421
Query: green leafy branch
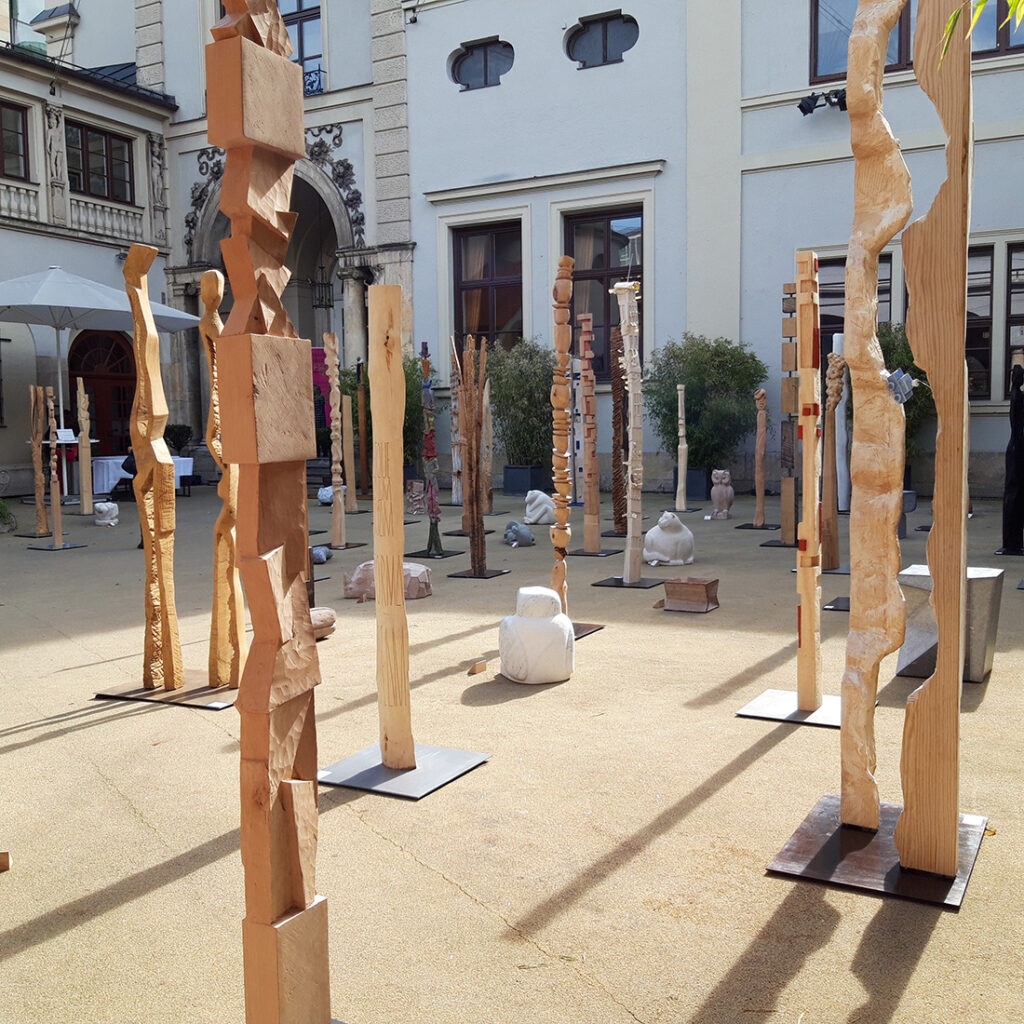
x: 1015, y: 13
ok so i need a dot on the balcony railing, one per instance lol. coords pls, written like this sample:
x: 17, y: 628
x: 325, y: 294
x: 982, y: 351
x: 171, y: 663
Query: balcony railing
x: 114, y: 221
x: 313, y: 81
x: 20, y: 202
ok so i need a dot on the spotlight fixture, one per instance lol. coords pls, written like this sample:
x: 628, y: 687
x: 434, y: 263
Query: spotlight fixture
x: 832, y: 98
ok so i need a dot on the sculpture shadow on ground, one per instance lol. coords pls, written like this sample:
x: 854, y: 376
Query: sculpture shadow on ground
x: 724, y: 690
x: 72, y: 722
x: 500, y: 690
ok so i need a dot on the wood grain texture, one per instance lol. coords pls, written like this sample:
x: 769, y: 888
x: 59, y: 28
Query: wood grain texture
x: 337, y: 453
x: 561, y: 416
x: 619, y: 446
x: 387, y: 400
x: 37, y: 424
x: 882, y: 205
x: 153, y: 483
x: 457, y: 440
x: 760, y: 448
x: 228, y: 644
x: 935, y: 254
x: 629, y: 320
x: 486, y: 450
x: 55, y: 509
x: 829, y: 489
x: 591, y: 471
x: 84, y: 451
x: 348, y: 450
x: 682, y: 448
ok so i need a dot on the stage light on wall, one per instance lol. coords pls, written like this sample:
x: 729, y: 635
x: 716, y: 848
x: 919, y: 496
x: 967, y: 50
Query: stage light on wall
x: 832, y: 98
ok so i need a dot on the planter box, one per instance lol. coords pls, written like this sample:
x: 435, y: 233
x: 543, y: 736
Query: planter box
x: 520, y: 479
x: 698, y: 484
x: 691, y: 594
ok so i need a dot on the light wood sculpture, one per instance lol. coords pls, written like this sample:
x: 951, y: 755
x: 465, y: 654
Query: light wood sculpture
x: 348, y: 450
x: 387, y: 399
x: 153, y: 483
x: 561, y: 403
x: 619, y: 449
x: 457, y: 440
x: 430, y: 469
x: 808, y: 555
x: 829, y: 483
x: 591, y: 472
x: 683, y: 450
x: 882, y: 205
x: 337, y: 498
x: 364, y: 441
x: 84, y: 451
x: 470, y: 375
x: 486, y: 451
x: 227, y: 623
x: 55, y: 509
x: 254, y: 98
x: 37, y: 423
x: 760, y: 448
x: 935, y: 251
x: 625, y: 293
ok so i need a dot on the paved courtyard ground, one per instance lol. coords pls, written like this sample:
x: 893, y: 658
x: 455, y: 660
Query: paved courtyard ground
x: 606, y: 865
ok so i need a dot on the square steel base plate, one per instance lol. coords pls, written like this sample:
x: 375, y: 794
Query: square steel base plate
x: 461, y: 533
x: 824, y: 850
x: 50, y: 547
x: 424, y: 554
x: 582, y: 629
x: 776, y: 544
x: 837, y: 604
x: 751, y: 526
x: 644, y: 583
x: 780, y: 706
x: 196, y: 693
x: 435, y: 767
x: 603, y: 553
x: 487, y: 574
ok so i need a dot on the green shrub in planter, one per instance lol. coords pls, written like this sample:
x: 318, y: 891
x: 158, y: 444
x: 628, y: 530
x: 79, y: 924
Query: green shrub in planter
x: 521, y: 379
x: 720, y: 377
x: 920, y: 407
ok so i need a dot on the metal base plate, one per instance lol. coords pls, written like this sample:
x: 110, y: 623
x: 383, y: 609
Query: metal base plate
x: 359, y: 511
x: 1020, y: 586
x: 923, y: 529
x: 1011, y: 552
x: 780, y: 706
x: 603, y: 553
x: 498, y: 512
x: 435, y: 767
x: 612, y: 533
x: 34, y: 536
x: 841, y: 570
x: 424, y: 554
x: 461, y: 533
x: 348, y: 544
x: 50, y: 547
x: 824, y: 850
x: 487, y: 574
x: 582, y: 629
x: 837, y: 604
x: 776, y: 544
x: 644, y: 583
x: 751, y: 526
x: 684, y: 511
x: 313, y: 533
x: 196, y: 693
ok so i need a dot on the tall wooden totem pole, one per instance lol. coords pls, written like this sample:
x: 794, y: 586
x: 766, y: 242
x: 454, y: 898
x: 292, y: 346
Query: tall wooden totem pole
x: 255, y: 113
x: 561, y: 401
x: 591, y: 474
x: 629, y: 318
x: 84, y: 451
x: 37, y: 422
x: 337, y: 454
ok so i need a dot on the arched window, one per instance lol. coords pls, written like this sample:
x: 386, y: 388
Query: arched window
x: 602, y: 39
x: 478, y: 65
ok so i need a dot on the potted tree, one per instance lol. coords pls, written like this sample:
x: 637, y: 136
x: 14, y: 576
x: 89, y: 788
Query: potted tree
x: 521, y: 379
x: 720, y: 377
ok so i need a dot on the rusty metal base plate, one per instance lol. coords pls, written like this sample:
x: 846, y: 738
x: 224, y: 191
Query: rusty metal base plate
x: 780, y: 706
x: 824, y: 850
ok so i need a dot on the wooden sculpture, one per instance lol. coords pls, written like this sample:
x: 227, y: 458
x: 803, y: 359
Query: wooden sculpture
x: 470, y: 377
x: 387, y: 399
x: 84, y: 451
x: 935, y: 254
x: 561, y: 402
x: 1013, y: 482
x: 364, y: 440
x: 430, y: 468
x: 337, y: 497
x: 457, y: 441
x: 348, y: 451
x: 37, y: 423
x: 254, y: 98
x: 227, y: 623
x: 625, y: 293
x: 591, y: 473
x: 619, y: 449
x: 829, y: 486
x: 760, y: 448
x: 789, y: 399
x: 55, y: 510
x: 153, y: 483
x: 682, y: 452
x: 486, y: 451
x: 882, y: 205
x: 808, y: 556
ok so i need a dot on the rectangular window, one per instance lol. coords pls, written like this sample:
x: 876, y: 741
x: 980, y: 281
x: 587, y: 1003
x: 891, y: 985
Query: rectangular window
x: 99, y: 163
x: 607, y: 246
x: 302, y: 19
x: 15, y: 141
x: 992, y: 34
x: 832, y: 298
x: 1014, y: 305
x: 489, y: 283
x: 978, y: 343
x: 831, y: 24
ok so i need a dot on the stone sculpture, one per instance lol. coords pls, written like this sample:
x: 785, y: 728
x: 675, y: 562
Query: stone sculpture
x: 668, y: 543
x: 227, y: 623
x: 55, y: 509
x: 1013, y: 485
x: 153, y: 483
x: 106, y: 513
x: 760, y: 448
x: 626, y: 293
x: 322, y: 619
x: 359, y: 584
x: 337, y: 496
x: 683, y: 450
x: 882, y: 205
x: 537, y: 644
x: 619, y: 447
x: 325, y: 495
x: 254, y: 101
x: 37, y: 421
x: 722, y: 494
x: 561, y: 415
x: 84, y: 451
x: 320, y: 553
x: 517, y: 535
x: 415, y: 498
x: 588, y: 409
x: 540, y: 509
x: 834, y: 379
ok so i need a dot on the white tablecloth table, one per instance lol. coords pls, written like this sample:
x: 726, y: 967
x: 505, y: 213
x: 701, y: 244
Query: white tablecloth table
x: 106, y: 471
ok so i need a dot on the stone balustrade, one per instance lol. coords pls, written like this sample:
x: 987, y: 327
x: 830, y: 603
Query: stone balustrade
x: 20, y: 202
x: 109, y: 219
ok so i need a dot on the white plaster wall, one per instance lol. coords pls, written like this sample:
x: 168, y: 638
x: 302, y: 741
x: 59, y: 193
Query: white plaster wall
x: 105, y: 35
x: 186, y: 33
x: 347, y: 43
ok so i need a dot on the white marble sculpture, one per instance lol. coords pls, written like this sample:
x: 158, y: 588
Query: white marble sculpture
x: 519, y: 536
x: 668, y: 543
x: 537, y: 644
x: 359, y: 584
x: 106, y: 513
x: 722, y: 494
x: 319, y: 554
x: 540, y: 509
x: 323, y: 620
x: 325, y: 495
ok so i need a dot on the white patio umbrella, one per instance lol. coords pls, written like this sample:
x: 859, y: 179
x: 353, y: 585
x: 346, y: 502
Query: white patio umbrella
x: 64, y: 301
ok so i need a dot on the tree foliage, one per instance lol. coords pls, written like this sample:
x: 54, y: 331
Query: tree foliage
x: 920, y: 407
x: 521, y: 379
x: 1015, y: 13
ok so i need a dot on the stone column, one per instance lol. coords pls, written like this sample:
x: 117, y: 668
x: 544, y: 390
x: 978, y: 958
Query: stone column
x: 354, y: 335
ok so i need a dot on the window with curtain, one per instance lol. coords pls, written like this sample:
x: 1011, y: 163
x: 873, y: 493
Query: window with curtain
x: 302, y: 19
x: 489, y: 283
x: 99, y: 163
x: 15, y: 141
x: 1014, y: 304
x: 607, y: 246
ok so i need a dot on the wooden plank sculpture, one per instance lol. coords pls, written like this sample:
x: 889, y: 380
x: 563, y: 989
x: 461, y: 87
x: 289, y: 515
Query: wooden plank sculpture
x: 561, y: 402
x: 430, y: 468
x: 935, y: 251
x: 760, y: 449
x: 457, y: 440
x: 387, y: 399
x: 153, y: 483
x: 591, y: 472
x: 626, y: 294
x: 348, y: 450
x: 337, y: 496
x: 789, y: 407
x: 486, y: 451
x: 84, y: 451
x: 254, y: 97
x: 37, y: 423
x: 227, y: 623
x: 364, y: 440
x: 619, y: 448
x: 882, y: 206
x: 55, y: 509
x: 829, y: 483
x: 808, y: 555
x: 470, y: 377
x: 682, y: 451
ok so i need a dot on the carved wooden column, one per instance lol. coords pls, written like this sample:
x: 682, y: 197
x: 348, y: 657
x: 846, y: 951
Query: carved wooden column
x: 789, y: 400
x: 254, y: 97
x: 591, y: 472
x: 486, y: 451
x: 829, y: 492
x: 364, y: 440
x: 760, y: 449
x: 470, y: 377
x: 561, y: 400
x: 55, y: 510
x: 337, y: 499
x: 84, y: 451
x: 348, y: 449
x: 629, y: 320
x: 227, y: 623
x: 619, y: 446
x: 457, y: 440
x: 37, y: 423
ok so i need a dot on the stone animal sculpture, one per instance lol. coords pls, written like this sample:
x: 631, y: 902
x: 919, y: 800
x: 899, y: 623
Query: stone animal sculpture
x: 540, y: 509
x: 106, y: 513
x: 537, y: 644
x: 668, y: 543
x: 519, y: 536
x: 360, y: 582
x: 722, y: 494
x: 320, y: 554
